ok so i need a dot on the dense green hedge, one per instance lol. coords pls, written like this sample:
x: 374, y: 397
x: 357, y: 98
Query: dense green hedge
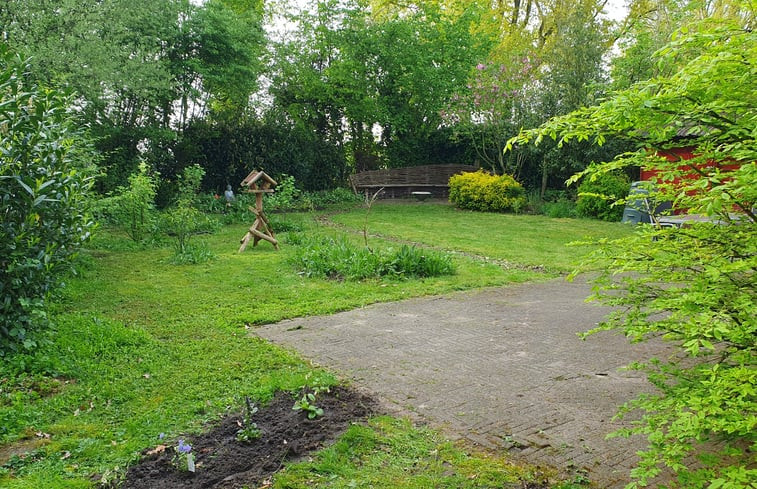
x: 482, y: 191
x: 228, y: 153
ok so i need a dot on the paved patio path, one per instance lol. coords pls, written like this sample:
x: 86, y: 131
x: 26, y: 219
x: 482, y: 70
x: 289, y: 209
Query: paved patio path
x: 501, y: 367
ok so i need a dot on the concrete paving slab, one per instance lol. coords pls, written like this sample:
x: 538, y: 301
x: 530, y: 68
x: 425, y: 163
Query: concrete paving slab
x: 501, y: 367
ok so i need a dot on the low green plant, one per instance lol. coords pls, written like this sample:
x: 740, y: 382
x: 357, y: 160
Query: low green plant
x: 193, y: 253
x: 306, y: 403
x: 330, y: 198
x: 281, y: 224
x: 248, y: 429
x: 286, y: 197
x: 340, y: 259
x: 412, y: 261
x: 534, y: 203
x: 482, y: 191
x: 562, y: 208
x: 598, y: 194
x: 183, y: 458
x: 183, y: 222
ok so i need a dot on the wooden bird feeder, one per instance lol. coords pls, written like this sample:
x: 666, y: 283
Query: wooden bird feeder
x: 259, y: 183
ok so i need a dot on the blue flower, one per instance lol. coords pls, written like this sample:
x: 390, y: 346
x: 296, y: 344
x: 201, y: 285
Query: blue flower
x: 184, y: 447
x: 161, y: 436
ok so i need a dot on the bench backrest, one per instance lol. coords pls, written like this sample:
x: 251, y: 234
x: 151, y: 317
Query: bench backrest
x: 435, y: 175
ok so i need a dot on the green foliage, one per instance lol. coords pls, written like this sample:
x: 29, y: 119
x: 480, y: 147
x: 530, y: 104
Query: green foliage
x: 184, y: 221
x: 249, y: 430
x: 491, y: 108
x: 330, y: 198
x: 45, y: 176
x: 694, y: 285
x: 307, y: 404
x: 229, y: 41
x: 189, y: 184
x: 482, y: 191
x: 561, y: 208
x: 132, y: 208
x: 339, y: 259
x: 346, y: 73
x: 238, y: 211
x: 229, y: 151
x: 285, y: 196
x: 598, y: 194
x: 142, y: 69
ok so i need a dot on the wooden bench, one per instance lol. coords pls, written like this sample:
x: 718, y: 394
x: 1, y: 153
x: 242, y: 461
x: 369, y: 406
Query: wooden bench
x: 404, y: 182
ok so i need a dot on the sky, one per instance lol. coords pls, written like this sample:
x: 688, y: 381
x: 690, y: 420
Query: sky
x: 616, y: 9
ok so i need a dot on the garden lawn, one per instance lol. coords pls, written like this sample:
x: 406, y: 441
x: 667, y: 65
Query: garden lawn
x: 536, y: 241
x: 144, y: 347
x: 388, y: 453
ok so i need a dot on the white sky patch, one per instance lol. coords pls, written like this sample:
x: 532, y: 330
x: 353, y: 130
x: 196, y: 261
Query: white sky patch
x: 616, y: 10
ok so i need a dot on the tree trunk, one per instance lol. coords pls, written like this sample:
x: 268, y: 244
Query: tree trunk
x: 544, y: 178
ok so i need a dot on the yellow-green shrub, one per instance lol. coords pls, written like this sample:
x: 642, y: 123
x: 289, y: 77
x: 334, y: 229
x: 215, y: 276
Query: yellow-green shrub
x: 482, y: 191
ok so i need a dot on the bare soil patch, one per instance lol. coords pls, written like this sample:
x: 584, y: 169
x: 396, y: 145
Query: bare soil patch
x: 286, y: 435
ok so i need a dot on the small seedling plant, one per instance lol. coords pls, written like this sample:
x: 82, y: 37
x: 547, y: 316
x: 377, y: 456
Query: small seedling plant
x: 307, y: 404
x: 248, y: 430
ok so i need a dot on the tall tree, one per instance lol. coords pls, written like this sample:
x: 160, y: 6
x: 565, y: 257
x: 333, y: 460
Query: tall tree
x: 349, y: 74
x: 141, y: 68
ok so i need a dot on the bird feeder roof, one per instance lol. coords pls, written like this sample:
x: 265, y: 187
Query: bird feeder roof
x: 257, y: 177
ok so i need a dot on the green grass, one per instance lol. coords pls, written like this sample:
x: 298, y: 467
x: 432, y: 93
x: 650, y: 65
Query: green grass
x: 390, y: 453
x: 520, y: 239
x: 143, y: 346
x: 387, y: 453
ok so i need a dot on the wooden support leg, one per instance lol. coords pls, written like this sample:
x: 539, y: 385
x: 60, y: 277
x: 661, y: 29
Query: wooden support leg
x: 244, y: 241
x: 261, y: 229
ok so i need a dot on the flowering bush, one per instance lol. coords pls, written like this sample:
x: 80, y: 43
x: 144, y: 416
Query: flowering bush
x: 491, y: 108
x: 482, y: 191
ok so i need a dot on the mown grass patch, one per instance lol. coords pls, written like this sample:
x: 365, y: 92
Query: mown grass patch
x: 521, y: 239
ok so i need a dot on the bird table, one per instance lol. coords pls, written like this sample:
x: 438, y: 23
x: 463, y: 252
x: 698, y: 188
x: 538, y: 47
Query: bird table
x: 259, y: 183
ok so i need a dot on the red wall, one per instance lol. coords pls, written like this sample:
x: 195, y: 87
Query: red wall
x: 678, y: 154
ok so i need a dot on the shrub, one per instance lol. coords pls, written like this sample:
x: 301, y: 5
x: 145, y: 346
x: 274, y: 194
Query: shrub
x: 337, y: 196
x: 559, y: 209
x: 597, y: 193
x: 184, y: 221
x: 339, y: 259
x: 132, y: 208
x: 45, y: 177
x: 286, y: 196
x: 482, y: 191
